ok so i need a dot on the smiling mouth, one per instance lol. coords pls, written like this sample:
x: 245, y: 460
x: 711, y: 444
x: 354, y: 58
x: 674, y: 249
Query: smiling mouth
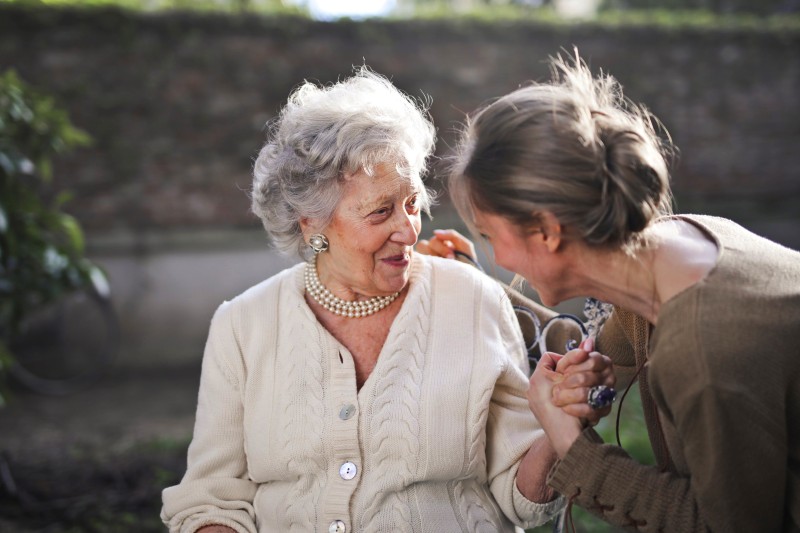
x: 398, y: 259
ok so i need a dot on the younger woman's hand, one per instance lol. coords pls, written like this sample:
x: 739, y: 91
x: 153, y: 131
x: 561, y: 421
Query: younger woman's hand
x: 579, y: 371
x: 444, y: 243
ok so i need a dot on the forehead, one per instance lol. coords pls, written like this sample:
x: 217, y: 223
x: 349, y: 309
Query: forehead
x: 384, y: 183
x: 490, y: 221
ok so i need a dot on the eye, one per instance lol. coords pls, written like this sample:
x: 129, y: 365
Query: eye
x: 381, y: 212
x: 413, y: 204
x: 486, y: 237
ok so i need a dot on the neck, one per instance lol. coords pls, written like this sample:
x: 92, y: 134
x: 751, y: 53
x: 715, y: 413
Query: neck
x: 627, y: 281
x: 330, y: 279
x: 346, y: 308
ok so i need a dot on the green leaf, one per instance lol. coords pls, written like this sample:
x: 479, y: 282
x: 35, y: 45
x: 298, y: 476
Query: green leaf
x: 72, y: 230
x: 42, y: 247
x: 62, y: 198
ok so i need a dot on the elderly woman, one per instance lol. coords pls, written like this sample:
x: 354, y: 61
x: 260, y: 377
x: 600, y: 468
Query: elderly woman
x: 369, y: 388
x: 569, y: 183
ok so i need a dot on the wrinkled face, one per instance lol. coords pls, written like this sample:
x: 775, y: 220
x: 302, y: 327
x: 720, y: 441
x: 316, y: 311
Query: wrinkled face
x: 372, y: 235
x: 525, y: 254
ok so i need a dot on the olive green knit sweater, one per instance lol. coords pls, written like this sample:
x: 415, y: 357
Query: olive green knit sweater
x: 721, y: 394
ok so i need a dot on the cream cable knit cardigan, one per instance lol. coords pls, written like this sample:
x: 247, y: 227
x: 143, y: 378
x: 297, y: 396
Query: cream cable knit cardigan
x: 432, y: 441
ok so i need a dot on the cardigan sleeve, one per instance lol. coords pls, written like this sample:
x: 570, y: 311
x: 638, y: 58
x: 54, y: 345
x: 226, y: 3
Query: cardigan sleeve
x: 215, y: 488
x: 511, y: 428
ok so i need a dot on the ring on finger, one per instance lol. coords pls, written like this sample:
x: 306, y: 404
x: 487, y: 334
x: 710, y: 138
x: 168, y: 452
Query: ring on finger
x: 601, y: 396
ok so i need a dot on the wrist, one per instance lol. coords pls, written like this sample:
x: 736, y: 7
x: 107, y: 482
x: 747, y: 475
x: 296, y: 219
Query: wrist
x: 563, y: 439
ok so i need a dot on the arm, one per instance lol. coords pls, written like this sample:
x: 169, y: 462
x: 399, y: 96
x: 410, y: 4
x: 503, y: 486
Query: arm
x: 603, y: 478
x: 215, y: 489
x: 734, y: 448
x: 731, y: 442
x: 617, y: 339
x: 518, y: 454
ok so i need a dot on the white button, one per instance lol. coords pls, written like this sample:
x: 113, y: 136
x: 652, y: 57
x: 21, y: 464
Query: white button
x: 348, y: 470
x: 347, y: 411
x: 337, y: 526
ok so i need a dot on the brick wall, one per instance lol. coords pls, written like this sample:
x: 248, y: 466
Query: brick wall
x: 177, y: 103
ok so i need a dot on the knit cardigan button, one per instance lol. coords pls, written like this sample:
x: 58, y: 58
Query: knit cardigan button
x: 347, y: 411
x: 337, y: 526
x: 348, y: 471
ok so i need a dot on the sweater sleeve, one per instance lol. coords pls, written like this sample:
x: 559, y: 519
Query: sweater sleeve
x: 215, y: 488
x: 614, y: 341
x: 511, y: 428
x: 605, y: 480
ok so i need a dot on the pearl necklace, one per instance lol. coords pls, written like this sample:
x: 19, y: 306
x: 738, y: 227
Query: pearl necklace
x: 336, y: 305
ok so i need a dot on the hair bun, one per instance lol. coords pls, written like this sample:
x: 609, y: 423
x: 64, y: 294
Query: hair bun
x: 633, y: 181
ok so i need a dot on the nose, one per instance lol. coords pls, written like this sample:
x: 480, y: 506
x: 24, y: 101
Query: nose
x: 406, y: 228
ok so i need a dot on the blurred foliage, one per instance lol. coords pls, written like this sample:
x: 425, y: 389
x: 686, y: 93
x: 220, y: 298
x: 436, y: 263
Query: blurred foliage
x: 677, y: 19
x: 760, y: 7
x: 41, y: 246
x: 633, y: 438
x: 264, y: 6
x: 706, y: 13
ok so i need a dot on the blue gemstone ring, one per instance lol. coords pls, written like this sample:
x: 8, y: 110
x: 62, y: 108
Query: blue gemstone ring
x: 601, y: 396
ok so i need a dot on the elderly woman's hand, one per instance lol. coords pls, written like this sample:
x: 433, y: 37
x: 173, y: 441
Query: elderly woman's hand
x: 561, y: 428
x: 445, y: 243
x: 578, y: 371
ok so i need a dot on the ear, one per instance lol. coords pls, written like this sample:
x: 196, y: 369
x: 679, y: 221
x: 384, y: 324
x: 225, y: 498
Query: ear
x: 551, y: 231
x: 305, y: 225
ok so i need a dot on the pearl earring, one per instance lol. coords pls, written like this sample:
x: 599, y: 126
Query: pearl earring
x: 318, y: 242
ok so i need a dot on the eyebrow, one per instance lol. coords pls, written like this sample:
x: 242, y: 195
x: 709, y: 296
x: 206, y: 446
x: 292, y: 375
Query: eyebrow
x: 370, y: 203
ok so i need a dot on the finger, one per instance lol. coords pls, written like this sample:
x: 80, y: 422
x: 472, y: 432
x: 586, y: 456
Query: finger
x: 593, y: 362
x: 440, y: 248
x: 461, y: 243
x: 587, y: 344
x: 423, y: 247
x: 569, y: 396
x: 571, y: 358
x: 548, y: 361
x: 546, y: 367
x: 592, y: 416
x: 588, y: 379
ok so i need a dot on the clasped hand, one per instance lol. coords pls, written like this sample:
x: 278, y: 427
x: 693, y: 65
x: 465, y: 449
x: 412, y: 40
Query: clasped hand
x: 559, y: 388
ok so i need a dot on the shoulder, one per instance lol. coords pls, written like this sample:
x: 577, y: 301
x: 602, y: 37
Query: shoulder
x: 253, y: 301
x: 461, y: 274
x: 730, y: 235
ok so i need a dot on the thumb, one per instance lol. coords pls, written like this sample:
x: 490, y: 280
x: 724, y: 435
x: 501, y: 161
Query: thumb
x: 587, y: 344
x: 547, y: 366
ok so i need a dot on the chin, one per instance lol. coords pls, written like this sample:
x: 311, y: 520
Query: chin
x: 548, y: 299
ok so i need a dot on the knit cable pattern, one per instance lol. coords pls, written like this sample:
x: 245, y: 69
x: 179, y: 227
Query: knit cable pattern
x: 304, y: 419
x: 478, y: 517
x: 396, y: 446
